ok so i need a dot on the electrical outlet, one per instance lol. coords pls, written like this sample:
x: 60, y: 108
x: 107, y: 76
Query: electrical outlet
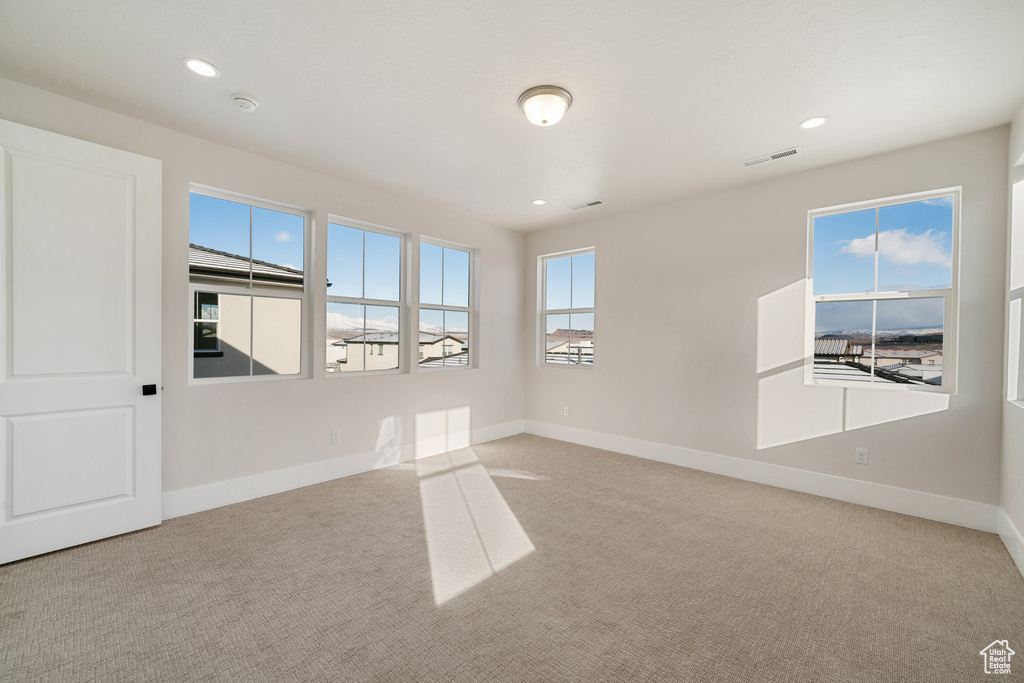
x: 336, y: 436
x: 565, y: 411
x: 860, y: 456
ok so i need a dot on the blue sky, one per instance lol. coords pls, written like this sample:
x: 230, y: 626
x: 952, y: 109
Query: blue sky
x: 349, y: 250
x: 892, y: 314
x: 276, y: 237
x: 570, y: 282
x: 444, y: 276
x: 915, y: 245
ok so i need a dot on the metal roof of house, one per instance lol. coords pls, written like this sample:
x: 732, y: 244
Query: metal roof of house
x: 845, y: 372
x: 393, y: 338
x: 906, y: 353
x: 211, y: 262
x: 449, y: 361
x: 836, y: 347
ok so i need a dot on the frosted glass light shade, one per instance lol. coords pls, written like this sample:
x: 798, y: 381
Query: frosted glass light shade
x: 545, y: 105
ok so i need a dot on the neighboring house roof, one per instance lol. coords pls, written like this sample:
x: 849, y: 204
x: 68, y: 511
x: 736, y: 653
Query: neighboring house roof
x: 906, y: 353
x: 454, y: 359
x: 214, y: 263
x: 393, y: 337
x: 845, y: 372
x: 372, y: 338
x: 552, y: 344
x: 836, y: 347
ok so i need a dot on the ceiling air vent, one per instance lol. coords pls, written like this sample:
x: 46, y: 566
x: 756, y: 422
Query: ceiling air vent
x: 772, y: 157
x: 586, y: 205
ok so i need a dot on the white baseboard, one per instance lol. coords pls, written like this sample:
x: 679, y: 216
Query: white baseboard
x: 956, y: 511
x: 217, y: 494
x: 1012, y: 539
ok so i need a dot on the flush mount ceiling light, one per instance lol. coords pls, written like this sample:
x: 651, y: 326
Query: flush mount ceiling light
x: 539, y: 202
x: 545, y: 105
x: 814, y: 122
x: 201, y: 67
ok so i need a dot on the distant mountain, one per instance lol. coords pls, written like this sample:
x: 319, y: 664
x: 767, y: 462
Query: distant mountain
x: 340, y: 326
x: 563, y: 334
x: 845, y: 334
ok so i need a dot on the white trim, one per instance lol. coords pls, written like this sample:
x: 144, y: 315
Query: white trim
x: 966, y: 513
x: 950, y: 295
x: 217, y: 494
x: 1012, y: 539
x: 543, y: 311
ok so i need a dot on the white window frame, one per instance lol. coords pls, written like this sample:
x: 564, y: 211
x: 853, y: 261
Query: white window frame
x: 401, y: 304
x: 950, y: 296
x: 544, y: 311
x: 257, y: 291
x: 471, y: 340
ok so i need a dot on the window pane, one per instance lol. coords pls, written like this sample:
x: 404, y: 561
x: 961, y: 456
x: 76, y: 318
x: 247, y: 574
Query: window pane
x: 915, y: 245
x: 344, y: 261
x: 844, y: 253
x: 383, y: 263
x: 456, y: 341
x: 431, y: 337
x: 233, y: 329
x: 556, y: 339
x: 456, y: 278
x: 430, y: 274
x: 558, y: 280
x: 382, y: 339
x: 583, y: 281
x: 206, y: 306
x: 581, y: 339
x: 205, y: 337
x: 218, y: 231
x: 276, y: 336
x: 277, y: 248
x: 345, y: 322
x: 842, y: 340
x: 908, y: 340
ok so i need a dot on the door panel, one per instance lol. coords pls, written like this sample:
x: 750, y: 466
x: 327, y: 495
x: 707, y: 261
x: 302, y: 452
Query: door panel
x: 71, y: 248
x: 52, y: 467
x: 80, y: 336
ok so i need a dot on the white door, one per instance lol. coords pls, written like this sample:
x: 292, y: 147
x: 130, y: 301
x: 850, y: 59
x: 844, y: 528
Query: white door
x: 79, y: 337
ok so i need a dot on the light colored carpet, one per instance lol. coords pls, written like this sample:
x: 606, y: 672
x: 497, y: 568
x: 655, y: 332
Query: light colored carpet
x: 523, y: 559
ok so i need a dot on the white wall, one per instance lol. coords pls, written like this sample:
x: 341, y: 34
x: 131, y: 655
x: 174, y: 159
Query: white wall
x: 722, y: 275
x: 219, y: 432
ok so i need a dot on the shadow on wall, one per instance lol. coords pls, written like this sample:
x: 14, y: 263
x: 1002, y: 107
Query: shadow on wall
x: 789, y: 410
x: 228, y: 362
x: 472, y: 534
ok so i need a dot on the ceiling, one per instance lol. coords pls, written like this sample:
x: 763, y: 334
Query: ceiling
x: 670, y: 96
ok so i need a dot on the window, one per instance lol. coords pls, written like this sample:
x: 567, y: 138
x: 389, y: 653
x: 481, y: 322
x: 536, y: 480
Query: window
x: 364, y: 299
x: 206, y: 336
x: 884, y: 292
x: 567, y: 308
x: 247, y: 284
x: 445, y: 305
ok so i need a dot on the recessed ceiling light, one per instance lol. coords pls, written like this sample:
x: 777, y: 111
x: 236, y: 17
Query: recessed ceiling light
x: 814, y: 122
x: 539, y: 202
x: 201, y: 67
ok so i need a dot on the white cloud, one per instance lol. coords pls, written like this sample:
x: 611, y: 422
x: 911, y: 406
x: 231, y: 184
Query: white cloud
x: 902, y: 248
x: 283, y: 236
x: 340, y: 322
x: 939, y: 201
